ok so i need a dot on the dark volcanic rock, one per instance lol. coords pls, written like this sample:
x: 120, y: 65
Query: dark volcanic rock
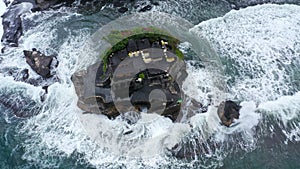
x: 40, y: 63
x: 143, y: 44
x: 12, y: 24
x: 119, y: 3
x: 129, y: 83
x: 85, y: 88
x: 22, y: 75
x: 146, y: 8
x: 228, y: 111
x: 16, y: 73
x: 45, y: 4
x: 131, y: 47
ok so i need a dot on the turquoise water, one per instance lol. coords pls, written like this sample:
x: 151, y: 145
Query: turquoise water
x: 261, y: 64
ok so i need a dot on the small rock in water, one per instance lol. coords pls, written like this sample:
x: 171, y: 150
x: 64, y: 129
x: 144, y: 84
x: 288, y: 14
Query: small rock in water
x: 228, y: 111
x: 22, y: 75
x: 40, y: 63
x: 119, y: 3
x: 155, y: 2
x: 146, y: 8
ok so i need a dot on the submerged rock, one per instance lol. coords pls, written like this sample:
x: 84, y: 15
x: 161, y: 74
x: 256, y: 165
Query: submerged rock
x: 20, y: 106
x: 228, y: 111
x: 146, y: 8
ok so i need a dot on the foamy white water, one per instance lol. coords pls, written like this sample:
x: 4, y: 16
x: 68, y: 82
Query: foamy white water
x: 111, y: 145
x: 259, y: 46
x: 2, y: 10
x: 247, y: 37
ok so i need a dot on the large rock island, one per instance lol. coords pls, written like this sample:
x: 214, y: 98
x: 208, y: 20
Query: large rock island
x: 140, y: 73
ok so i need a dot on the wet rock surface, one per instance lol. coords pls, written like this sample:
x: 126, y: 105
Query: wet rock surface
x: 23, y: 75
x: 12, y: 23
x: 40, y: 63
x: 228, y: 111
x: 20, y: 105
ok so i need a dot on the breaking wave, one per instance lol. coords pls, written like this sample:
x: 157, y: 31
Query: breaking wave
x: 260, y: 64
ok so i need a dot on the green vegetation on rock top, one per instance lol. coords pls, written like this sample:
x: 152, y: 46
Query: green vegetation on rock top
x: 117, y: 36
x: 119, y: 40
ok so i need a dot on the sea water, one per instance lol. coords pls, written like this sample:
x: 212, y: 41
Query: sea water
x: 259, y: 50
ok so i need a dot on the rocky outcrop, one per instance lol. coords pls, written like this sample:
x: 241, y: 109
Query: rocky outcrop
x: 41, y: 63
x: 84, y: 86
x: 12, y: 24
x: 228, y: 111
x: 134, y: 78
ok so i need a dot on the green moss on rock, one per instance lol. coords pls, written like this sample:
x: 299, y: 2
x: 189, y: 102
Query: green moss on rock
x: 119, y: 40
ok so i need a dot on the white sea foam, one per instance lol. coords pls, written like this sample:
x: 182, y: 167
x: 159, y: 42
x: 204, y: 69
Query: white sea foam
x: 28, y: 90
x: 2, y: 10
x: 61, y: 129
x: 286, y: 107
x: 260, y: 48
